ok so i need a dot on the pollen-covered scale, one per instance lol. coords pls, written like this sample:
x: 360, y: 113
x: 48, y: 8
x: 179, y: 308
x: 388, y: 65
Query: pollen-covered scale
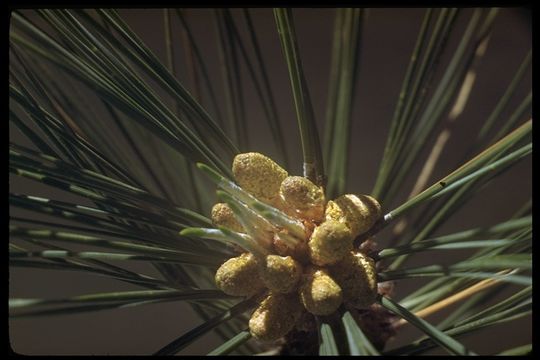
x: 295, y: 248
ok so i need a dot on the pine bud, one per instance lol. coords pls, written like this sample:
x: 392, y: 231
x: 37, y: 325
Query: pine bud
x: 275, y: 317
x: 304, y: 197
x: 358, y: 212
x: 357, y: 277
x: 281, y: 273
x: 259, y: 175
x: 329, y: 243
x: 239, y: 276
x: 319, y: 293
x: 222, y: 215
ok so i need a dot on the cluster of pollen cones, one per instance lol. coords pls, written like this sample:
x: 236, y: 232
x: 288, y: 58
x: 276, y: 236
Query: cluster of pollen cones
x: 297, y: 247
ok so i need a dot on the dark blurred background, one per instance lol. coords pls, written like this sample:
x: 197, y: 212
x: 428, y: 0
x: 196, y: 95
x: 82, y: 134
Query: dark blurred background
x: 387, y: 41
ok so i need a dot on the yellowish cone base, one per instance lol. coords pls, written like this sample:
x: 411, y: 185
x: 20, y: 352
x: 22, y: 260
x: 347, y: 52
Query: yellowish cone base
x: 317, y: 270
